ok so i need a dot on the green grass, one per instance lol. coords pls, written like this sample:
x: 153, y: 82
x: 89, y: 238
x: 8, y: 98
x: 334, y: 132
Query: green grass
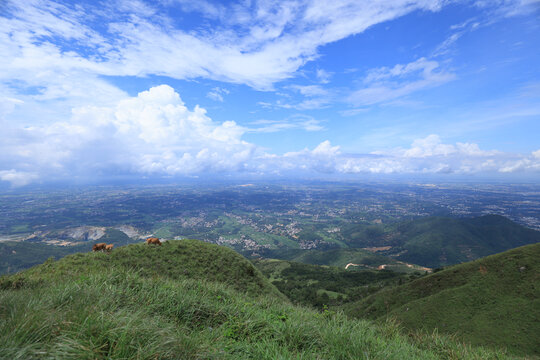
x: 138, y: 303
x: 175, y: 259
x: 494, y: 301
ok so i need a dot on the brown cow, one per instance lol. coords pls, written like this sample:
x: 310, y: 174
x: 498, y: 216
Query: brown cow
x: 109, y: 247
x: 153, y: 240
x: 99, y: 247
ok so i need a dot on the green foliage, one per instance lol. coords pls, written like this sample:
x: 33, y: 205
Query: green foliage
x: 439, y: 241
x: 493, y: 301
x: 363, y: 235
x: 338, y: 258
x: 133, y: 306
x: 320, y: 286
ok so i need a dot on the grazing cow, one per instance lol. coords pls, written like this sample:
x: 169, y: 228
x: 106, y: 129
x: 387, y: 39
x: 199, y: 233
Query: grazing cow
x: 109, y: 247
x: 153, y: 240
x: 99, y: 247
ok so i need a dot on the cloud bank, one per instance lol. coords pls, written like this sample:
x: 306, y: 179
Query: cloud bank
x: 154, y: 134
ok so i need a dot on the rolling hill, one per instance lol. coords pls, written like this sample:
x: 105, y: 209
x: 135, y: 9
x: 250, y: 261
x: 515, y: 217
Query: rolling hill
x: 440, y: 241
x: 188, y: 300
x: 362, y: 259
x: 321, y: 285
x: 492, y: 301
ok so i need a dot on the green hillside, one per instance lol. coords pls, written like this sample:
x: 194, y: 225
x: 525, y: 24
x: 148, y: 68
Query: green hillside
x: 184, y: 300
x: 319, y: 286
x: 492, y: 301
x: 435, y: 241
x: 439, y: 241
x: 340, y: 258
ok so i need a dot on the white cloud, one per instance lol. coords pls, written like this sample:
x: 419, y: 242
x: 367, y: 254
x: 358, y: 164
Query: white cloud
x: 217, y: 93
x: 321, y: 159
x: 152, y: 133
x: 17, y: 178
x: 269, y: 43
x: 433, y: 146
x: 425, y: 156
x: 303, y: 122
x: 353, y: 112
x: 315, y: 97
x: 429, y: 146
x: 323, y: 76
x: 385, y: 84
x: 310, y: 90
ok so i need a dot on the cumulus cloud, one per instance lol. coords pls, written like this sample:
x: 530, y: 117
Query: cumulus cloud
x: 152, y: 133
x: 433, y: 146
x: 427, y: 155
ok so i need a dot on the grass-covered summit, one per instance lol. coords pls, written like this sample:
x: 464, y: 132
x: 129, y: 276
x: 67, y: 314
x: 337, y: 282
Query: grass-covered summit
x: 174, y: 260
x: 492, y: 301
x: 184, y: 300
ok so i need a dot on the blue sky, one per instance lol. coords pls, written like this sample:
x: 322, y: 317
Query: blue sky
x: 177, y: 88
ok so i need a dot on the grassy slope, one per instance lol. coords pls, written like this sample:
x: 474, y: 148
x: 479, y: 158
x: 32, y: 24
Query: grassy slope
x: 188, y: 300
x: 490, y: 301
x: 440, y: 241
x: 174, y: 259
